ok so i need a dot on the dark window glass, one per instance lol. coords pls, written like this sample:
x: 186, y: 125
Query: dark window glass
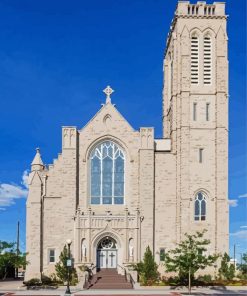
x: 194, y: 111
x: 162, y: 254
x: 197, y: 208
x: 51, y: 255
x: 203, y: 207
x: 200, y: 207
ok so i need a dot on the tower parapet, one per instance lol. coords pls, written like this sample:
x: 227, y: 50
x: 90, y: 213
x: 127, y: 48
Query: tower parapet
x: 200, y: 9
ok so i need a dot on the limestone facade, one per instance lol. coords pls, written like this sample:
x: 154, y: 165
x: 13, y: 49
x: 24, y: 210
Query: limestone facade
x: 162, y: 177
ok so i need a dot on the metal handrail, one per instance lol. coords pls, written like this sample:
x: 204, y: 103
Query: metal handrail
x: 94, y: 266
x: 89, y: 277
x: 124, y: 270
x: 121, y: 266
x: 127, y: 275
x: 132, y: 281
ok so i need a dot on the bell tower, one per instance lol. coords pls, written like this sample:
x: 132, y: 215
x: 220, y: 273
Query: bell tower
x: 195, y: 117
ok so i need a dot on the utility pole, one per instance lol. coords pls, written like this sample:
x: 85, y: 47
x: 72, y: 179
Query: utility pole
x: 234, y: 255
x: 17, y: 246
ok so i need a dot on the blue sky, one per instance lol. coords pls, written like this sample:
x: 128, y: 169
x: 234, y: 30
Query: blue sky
x: 57, y: 56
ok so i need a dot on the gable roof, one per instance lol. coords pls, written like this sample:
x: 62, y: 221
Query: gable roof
x: 110, y: 110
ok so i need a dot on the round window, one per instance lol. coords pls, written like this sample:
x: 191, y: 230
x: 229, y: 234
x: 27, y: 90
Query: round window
x: 107, y: 243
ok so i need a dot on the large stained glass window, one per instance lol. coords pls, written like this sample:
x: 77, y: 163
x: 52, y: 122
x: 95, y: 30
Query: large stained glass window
x: 107, y: 174
x: 200, y: 207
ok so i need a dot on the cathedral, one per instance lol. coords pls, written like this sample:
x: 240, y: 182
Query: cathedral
x: 114, y: 190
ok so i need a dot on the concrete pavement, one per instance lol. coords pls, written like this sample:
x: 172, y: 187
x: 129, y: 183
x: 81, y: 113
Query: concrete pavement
x: 8, y: 288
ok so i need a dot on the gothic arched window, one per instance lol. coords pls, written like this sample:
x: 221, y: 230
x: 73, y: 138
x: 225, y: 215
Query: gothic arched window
x: 107, y: 174
x: 200, y: 207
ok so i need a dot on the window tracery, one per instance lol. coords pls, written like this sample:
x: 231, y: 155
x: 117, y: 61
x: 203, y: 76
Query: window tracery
x: 107, y: 243
x: 200, y: 207
x: 107, y: 174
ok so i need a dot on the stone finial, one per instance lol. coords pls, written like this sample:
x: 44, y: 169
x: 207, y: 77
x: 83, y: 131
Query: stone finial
x: 108, y: 91
x: 37, y: 163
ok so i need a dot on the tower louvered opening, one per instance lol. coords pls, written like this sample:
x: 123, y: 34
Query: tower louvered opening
x: 207, y: 60
x: 194, y: 60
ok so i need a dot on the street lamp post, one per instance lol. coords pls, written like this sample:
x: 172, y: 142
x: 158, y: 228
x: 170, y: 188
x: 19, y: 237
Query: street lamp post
x: 68, y: 263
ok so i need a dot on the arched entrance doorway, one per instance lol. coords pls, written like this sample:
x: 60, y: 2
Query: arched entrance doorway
x: 107, y: 253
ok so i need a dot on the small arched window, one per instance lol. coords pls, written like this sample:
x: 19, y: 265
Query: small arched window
x: 194, y: 65
x: 200, y: 207
x: 207, y: 59
x: 107, y: 162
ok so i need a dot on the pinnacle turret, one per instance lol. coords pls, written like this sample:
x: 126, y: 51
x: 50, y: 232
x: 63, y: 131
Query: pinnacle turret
x: 37, y: 163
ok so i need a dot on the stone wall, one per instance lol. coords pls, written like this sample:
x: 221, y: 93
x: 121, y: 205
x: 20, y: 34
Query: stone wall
x: 189, y: 135
x: 160, y: 185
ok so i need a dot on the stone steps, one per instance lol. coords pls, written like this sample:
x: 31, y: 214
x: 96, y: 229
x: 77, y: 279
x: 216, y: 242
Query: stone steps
x: 112, y: 286
x: 109, y: 279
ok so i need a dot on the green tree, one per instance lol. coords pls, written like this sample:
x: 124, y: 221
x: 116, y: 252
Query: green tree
x: 226, y: 270
x: 147, y: 269
x: 62, y: 269
x: 9, y: 258
x: 189, y: 257
x: 242, y: 267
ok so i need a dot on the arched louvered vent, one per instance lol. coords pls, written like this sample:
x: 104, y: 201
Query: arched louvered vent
x: 207, y: 60
x: 194, y: 60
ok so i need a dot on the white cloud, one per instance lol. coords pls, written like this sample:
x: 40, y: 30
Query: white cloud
x: 10, y: 192
x: 25, y: 179
x: 233, y: 202
x: 241, y: 234
x: 244, y: 226
x: 243, y: 195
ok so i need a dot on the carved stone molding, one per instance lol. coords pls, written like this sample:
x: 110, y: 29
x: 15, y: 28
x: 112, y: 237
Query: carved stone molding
x: 69, y: 137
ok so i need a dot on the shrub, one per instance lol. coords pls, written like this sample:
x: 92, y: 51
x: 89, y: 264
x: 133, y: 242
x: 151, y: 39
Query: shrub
x: 55, y: 279
x: 242, y: 267
x: 227, y: 270
x: 33, y: 282
x: 46, y: 280
x: 204, y: 279
x: 171, y: 281
x: 147, y: 269
x: 62, y: 269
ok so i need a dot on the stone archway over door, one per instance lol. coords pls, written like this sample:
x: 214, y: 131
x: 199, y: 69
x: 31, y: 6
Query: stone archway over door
x: 107, y: 253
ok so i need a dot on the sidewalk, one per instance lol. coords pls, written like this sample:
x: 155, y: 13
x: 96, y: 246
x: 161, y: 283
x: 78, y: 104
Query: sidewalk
x: 17, y: 288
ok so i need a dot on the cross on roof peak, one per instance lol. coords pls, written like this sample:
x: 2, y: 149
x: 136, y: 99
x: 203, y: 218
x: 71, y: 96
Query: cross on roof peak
x: 108, y: 91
